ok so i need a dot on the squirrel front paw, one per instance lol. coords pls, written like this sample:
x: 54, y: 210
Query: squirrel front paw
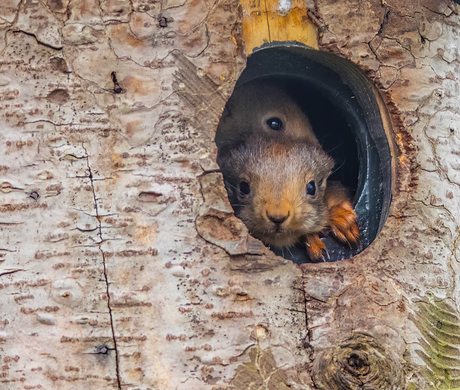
x: 343, y: 223
x: 316, y: 249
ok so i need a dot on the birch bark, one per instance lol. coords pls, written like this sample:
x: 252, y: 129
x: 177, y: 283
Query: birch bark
x: 121, y: 264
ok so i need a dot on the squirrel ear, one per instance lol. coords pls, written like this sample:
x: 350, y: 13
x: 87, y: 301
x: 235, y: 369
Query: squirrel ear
x: 227, y: 113
x: 225, y: 129
x: 227, y: 122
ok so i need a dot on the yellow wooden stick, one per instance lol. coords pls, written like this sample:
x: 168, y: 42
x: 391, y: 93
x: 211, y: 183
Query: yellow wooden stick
x: 277, y: 20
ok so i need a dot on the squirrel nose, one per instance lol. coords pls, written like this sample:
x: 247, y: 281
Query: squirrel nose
x: 278, y: 218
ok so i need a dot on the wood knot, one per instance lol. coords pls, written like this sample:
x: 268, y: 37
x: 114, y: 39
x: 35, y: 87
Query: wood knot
x: 356, y: 363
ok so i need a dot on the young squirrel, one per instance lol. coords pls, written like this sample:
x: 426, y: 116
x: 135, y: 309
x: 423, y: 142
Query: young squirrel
x: 264, y: 108
x: 275, y: 173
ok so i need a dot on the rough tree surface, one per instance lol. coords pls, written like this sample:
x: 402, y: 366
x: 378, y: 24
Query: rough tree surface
x: 121, y: 264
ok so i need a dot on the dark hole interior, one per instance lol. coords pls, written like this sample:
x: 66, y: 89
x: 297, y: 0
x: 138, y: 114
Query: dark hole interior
x: 345, y: 116
x: 331, y: 127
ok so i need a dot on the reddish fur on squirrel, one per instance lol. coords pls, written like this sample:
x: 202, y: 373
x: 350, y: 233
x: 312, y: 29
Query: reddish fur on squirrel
x: 277, y: 179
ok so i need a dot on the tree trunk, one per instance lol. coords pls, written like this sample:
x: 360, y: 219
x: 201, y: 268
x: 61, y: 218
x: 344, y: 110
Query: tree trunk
x: 121, y: 263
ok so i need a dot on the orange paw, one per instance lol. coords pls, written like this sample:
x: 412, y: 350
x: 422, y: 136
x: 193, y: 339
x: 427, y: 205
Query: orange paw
x: 343, y: 223
x: 316, y: 249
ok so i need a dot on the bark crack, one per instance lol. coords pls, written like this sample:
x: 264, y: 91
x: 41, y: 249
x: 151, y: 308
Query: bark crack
x: 16, y: 16
x: 37, y: 40
x: 90, y: 176
x: 168, y: 8
x: 380, y: 33
x: 11, y: 272
x: 308, y: 337
x: 319, y: 21
x: 440, y: 169
x: 268, y: 24
x: 439, y: 229
x: 208, y: 39
x: 439, y: 13
x: 452, y: 258
x: 385, y: 19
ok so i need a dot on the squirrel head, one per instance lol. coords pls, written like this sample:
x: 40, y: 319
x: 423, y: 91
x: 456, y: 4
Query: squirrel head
x: 262, y: 107
x: 277, y: 186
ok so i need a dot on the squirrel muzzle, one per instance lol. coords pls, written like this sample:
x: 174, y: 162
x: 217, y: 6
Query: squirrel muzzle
x: 278, y: 219
x: 278, y: 214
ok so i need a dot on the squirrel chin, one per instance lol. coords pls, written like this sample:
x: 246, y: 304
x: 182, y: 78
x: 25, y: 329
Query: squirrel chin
x: 279, y: 240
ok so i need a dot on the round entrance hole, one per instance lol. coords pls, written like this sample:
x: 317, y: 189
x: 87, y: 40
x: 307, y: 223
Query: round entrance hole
x: 342, y: 106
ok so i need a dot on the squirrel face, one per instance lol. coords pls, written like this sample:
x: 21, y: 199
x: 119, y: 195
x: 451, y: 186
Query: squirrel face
x: 277, y: 187
x: 276, y: 172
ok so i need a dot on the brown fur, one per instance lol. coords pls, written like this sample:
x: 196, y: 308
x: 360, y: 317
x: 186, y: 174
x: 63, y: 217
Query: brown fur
x: 277, y: 165
x: 251, y: 105
x: 277, y: 181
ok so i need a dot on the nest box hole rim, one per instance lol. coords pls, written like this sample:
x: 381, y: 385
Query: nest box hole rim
x: 348, y: 89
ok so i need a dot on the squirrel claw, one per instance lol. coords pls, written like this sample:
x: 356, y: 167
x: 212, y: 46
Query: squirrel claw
x: 316, y: 249
x: 343, y: 223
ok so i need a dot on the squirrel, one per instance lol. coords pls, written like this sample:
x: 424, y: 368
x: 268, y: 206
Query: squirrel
x: 265, y: 108
x: 276, y: 172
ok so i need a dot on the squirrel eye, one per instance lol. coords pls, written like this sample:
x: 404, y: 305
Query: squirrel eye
x: 311, y: 188
x: 275, y: 123
x: 244, y: 188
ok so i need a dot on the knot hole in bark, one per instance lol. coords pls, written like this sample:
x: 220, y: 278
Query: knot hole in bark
x: 359, y: 362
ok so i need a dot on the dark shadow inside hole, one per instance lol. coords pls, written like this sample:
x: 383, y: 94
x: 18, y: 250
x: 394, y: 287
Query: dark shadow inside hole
x: 342, y: 107
x: 334, y: 132
x: 331, y: 127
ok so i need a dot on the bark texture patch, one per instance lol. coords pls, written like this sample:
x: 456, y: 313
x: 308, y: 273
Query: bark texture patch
x: 261, y: 373
x: 358, y: 362
x: 216, y: 222
x: 439, y: 323
x: 115, y: 231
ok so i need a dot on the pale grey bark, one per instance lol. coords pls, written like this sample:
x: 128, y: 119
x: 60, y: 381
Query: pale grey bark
x: 115, y: 233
